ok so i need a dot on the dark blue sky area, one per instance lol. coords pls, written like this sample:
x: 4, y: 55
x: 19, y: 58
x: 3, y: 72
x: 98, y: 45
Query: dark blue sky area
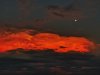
x: 11, y: 9
x: 59, y: 20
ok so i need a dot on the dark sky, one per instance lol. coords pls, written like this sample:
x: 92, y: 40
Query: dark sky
x: 56, y: 16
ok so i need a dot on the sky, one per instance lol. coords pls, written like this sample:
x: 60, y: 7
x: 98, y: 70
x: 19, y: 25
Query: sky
x: 56, y: 16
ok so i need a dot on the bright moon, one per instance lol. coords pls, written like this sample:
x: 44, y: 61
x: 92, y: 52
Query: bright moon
x: 75, y: 20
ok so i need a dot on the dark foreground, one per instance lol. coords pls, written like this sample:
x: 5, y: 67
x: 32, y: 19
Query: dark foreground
x: 48, y: 64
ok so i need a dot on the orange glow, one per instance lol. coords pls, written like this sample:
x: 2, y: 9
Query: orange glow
x: 44, y: 41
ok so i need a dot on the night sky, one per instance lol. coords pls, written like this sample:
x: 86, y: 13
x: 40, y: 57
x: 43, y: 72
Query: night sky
x: 56, y: 16
x: 59, y: 37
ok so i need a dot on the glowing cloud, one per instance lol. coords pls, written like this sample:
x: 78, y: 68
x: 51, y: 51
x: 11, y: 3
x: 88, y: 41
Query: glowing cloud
x: 44, y: 41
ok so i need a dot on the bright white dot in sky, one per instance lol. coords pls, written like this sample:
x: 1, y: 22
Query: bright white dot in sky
x: 75, y: 20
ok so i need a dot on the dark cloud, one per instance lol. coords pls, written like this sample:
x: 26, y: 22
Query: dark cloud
x: 65, y: 11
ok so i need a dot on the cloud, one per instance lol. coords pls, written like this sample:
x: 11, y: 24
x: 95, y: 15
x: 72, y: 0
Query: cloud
x: 66, y: 12
x: 43, y: 41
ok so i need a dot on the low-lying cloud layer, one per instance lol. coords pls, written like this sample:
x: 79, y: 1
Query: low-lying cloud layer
x: 44, y: 41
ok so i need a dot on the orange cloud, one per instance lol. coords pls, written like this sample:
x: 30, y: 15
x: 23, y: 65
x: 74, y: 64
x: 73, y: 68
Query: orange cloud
x: 44, y: 41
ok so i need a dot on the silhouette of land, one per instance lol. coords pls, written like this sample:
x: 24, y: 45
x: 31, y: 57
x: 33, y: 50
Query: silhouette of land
x: 34, y: 62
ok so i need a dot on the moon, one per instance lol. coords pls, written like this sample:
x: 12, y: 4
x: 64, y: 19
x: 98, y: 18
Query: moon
x: 75, y: 20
